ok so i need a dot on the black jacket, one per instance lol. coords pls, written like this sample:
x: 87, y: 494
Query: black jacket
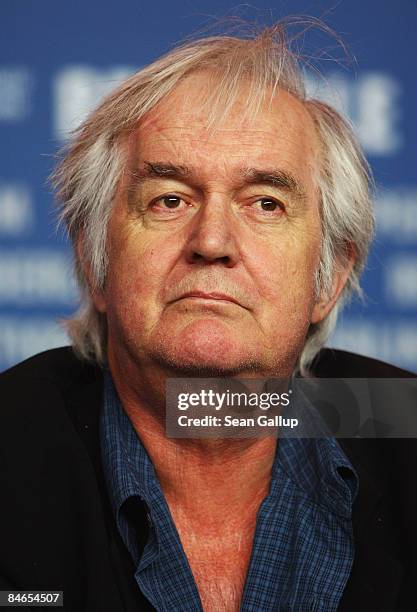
x: 57, y: 531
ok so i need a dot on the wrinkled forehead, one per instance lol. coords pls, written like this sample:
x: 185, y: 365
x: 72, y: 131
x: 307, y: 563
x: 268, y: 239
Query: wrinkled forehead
x: 190, y: 121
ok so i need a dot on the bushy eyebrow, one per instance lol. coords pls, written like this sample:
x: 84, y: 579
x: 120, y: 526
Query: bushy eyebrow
x: 154, y: 170
x: 276, y: 178
x: 281, y: 179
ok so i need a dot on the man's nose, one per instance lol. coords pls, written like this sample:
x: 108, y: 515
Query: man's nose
x: 212, y: 237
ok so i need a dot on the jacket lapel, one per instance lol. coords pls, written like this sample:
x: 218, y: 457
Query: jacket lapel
x: 376, y: 576
x: 84, y: 403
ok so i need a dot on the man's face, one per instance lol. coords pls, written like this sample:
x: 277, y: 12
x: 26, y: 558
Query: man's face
x: 214, y: 239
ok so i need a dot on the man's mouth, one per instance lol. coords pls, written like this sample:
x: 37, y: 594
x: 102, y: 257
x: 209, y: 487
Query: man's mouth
x: 212, y: 295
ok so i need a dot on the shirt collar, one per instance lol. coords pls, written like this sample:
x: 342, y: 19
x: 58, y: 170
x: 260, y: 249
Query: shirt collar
x: 316, y: 465
x: 127, y: 466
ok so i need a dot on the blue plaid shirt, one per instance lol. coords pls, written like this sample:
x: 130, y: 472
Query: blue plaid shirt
x: 303, y: 546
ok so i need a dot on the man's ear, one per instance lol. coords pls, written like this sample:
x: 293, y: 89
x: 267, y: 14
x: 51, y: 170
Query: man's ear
x: 341, y: 274
x: 97, y: 295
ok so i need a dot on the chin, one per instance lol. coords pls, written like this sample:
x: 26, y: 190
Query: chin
x: 193, y: 368
x: 204, y: 348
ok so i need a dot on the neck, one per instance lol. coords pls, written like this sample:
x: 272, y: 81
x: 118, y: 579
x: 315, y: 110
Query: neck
x: 201, y: 477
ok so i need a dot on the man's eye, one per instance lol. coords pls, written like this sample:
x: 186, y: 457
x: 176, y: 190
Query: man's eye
x: 169, y: 201
x: 269, y: 205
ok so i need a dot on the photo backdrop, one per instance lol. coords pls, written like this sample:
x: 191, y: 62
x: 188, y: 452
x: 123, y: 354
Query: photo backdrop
x: 57, y: 59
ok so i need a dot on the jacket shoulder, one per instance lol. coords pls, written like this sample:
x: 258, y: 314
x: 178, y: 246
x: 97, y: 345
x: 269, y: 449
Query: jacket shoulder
x: 60, y: 366
x: 49, y: 397
x: 333, y: 363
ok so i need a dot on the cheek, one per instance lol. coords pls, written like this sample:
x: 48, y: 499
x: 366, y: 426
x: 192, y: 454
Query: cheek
x: 139, y: 264
x: 286, y: 274
x: 135, y: 276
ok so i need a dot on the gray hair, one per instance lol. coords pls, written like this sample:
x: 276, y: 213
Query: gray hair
x: 88, y: 175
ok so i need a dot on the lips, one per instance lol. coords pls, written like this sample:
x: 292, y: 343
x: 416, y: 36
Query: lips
x: 212, y: 295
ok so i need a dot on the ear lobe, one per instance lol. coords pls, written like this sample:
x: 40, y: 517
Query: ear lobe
x: 99, y: 302
x: 97, y: 295
x: 340, y: 276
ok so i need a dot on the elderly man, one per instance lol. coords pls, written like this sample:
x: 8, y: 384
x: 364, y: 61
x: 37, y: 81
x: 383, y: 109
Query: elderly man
x: 218, y: 218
